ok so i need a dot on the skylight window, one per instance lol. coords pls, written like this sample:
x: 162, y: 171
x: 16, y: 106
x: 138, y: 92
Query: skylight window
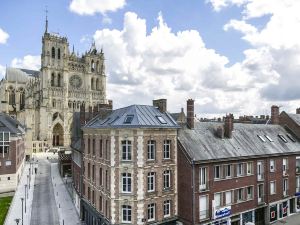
x: 270, y: 139
x: 104, y: 121
x: 282, y: 138
x: 291, y: 137
x: 161, y: 120
x: 128, y: 119
x: 261, y: 138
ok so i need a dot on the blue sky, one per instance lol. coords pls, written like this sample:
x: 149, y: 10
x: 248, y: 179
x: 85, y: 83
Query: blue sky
x: 238, y: 56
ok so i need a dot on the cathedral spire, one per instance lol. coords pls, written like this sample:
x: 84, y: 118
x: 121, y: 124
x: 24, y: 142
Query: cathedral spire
x: 46, y: 25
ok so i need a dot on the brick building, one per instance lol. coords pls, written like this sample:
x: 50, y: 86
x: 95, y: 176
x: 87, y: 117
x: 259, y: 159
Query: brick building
x: 237, y: 173
x: 130, y: 167
x: 12, y: 152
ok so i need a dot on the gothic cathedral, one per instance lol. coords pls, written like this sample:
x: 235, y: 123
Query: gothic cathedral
x: 45, y: 101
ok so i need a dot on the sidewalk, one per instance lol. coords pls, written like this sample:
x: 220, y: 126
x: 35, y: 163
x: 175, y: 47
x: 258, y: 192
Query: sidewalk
x: 15, y: 210
x: 66, y: 209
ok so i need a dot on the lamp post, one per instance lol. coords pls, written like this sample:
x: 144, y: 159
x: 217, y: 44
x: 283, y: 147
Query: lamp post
x: 22, y: 199
x: 25, y: 196
x: 17, y: 221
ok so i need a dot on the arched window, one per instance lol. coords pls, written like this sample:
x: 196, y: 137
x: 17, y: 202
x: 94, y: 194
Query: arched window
x: 22, y: 99
x: 92, y: 66
x: 97, y: 67
x: 74, y: 105
x: 58, y: 53
x: 52, y: 79
x: 97, y: 84
x: 92, y: 84
x: 70, y: 104
x: 53, y: 53
x: 12, y: 97
x: 58, y: 80
x: 53, y: 103
x: 78, y: 105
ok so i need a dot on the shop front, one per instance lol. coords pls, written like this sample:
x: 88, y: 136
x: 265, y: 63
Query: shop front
x: 222, y: 216
x: 279, y: 210
x: 297, y: 198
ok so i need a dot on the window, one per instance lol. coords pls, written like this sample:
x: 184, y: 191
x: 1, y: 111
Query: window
x: 260, y: 193
x: 240, y: 194
x: 100, y: 176
x: 167, y: 208
x: 272, y: 188
x: 126, y: 182
x: 228, y: 197
x: 100, y: 204
x: 217, y: 198
x: 4, y: 143
x: 101, y: 148
x: 282, y: 138
x: 53, y: 53
x: 94, y: 146
x: 126, y: 150
x: 272, y: 165
x: 167, y: 179
x: 151, y: 150
x: 93, y: 173
x: 284, y: 165
x: 249, y: 168
x: 261, y: 138
x: 161, y: 120
x: 89, y: 171
x: 203, y: 178
x: 268, y: 137
x: 8, y: 163
x: 249, y: 192
x: 93, y: 66
x: 89, y: 146
x: 167, y: 149
x: 298, y: 184
x: 203, y: 202
x: 217, y: 172
x: 151, y: 182
x: 240, y: 169
x: 58, y: 80
x: 126, y: 213
x: 106, y: 180
x: 128, y: 119
x: 285, y: 187
x: 151, y: 212
x: 298, y: 164
x: 291, y: 137
x: 58, y: 53
x: 228, y: 171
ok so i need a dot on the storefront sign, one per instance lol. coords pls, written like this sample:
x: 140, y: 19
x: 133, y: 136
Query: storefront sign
x: 222, y: 212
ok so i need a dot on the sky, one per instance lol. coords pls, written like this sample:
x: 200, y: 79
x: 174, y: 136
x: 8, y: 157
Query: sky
x: 231, y: 56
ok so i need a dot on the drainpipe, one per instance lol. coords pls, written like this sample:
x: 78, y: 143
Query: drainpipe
x: 193, y: 187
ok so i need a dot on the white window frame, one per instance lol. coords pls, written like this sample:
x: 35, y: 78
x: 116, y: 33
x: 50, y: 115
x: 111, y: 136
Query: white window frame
x: 127, y: 212
x: 226, y: 170
x: 151, y: 212
x: 249, y: 196
x: 203, y: 216
x: 126, y: 150
x: 231, y: 198
x: 203, y: 178
x: 272, y: 165
x: 167, y: 208
x: 167, y: 179
x: 242, y: 194
x: 285, y: 186
x: 240, y: 169
x: 249, y: 165
x: 126, y: 183
x: 167, y: 149
x: 151, y: 182
x: 151, y: 149
x: 5, y: 142
x: 215, y: 172
x: 220, y: 198
x: 272, y: 183
x: 297, y: 183
x: 284, y: 165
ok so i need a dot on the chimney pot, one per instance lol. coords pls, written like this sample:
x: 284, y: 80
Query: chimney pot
x: 228, y: 126
x: 190, y: 113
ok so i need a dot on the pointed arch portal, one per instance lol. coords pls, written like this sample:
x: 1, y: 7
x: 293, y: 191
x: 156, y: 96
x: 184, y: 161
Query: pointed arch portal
x: 58, y: 135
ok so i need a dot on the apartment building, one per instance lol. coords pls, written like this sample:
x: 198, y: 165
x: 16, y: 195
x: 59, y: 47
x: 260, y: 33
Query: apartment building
x: 237, y: 173
x: 130, y: 166
x: 12, y: 152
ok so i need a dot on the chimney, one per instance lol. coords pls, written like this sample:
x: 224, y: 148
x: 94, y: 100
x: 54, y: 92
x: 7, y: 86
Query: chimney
x: 190, y: 113
x: 298, y: 111
x: 161, y: 104
x: 275, y: 114
x: 228, y: 127
x: 220, y: 132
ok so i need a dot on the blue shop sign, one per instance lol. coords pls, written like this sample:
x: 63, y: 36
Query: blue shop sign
x: 297, y: 194
x: 223, y: 212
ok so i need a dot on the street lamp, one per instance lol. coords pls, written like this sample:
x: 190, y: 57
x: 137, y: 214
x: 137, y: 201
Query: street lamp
x: 17, y: 221
x: 22, y: 199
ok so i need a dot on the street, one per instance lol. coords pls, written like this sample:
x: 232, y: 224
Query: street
x: 291, y: 220
x: 44, y: 210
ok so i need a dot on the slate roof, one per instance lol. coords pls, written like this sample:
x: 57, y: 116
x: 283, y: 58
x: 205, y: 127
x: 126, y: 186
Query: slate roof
x: 201, y: 143
x: 143, y: 116
x: 8, y: 124
x: 20, y: 75
x: 76, y: 132
x: 295, y: 117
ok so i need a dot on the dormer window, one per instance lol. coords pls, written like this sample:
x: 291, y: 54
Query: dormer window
x: 161, y: 120
x: 128, y: 119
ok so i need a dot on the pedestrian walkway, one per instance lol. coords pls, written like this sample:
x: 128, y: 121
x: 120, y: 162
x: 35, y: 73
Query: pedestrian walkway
x: 66, y: 209
x: 15, y: 210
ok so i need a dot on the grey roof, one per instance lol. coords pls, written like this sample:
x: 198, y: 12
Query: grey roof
x: 8, y: 124
x: 76, y: 131
x: 143, y: 116
x: 20, y: 75
x: 201, y: 143
x: 295, y: 117
x: 175, y: 116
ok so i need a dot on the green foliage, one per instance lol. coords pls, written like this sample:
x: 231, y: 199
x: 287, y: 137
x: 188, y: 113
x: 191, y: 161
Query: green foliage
x: 4, y: 206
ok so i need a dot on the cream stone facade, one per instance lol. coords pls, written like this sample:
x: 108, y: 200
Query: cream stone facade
x: 44, y: 101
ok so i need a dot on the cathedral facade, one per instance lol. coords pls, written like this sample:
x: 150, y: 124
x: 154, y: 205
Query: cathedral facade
x: 45, y: 101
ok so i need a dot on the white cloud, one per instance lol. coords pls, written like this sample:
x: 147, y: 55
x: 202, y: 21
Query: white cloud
x: 90, y: 7
x: 220, y: 4
x: 3, y: 36
x: 27, y: 62
x: 178, y: 66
